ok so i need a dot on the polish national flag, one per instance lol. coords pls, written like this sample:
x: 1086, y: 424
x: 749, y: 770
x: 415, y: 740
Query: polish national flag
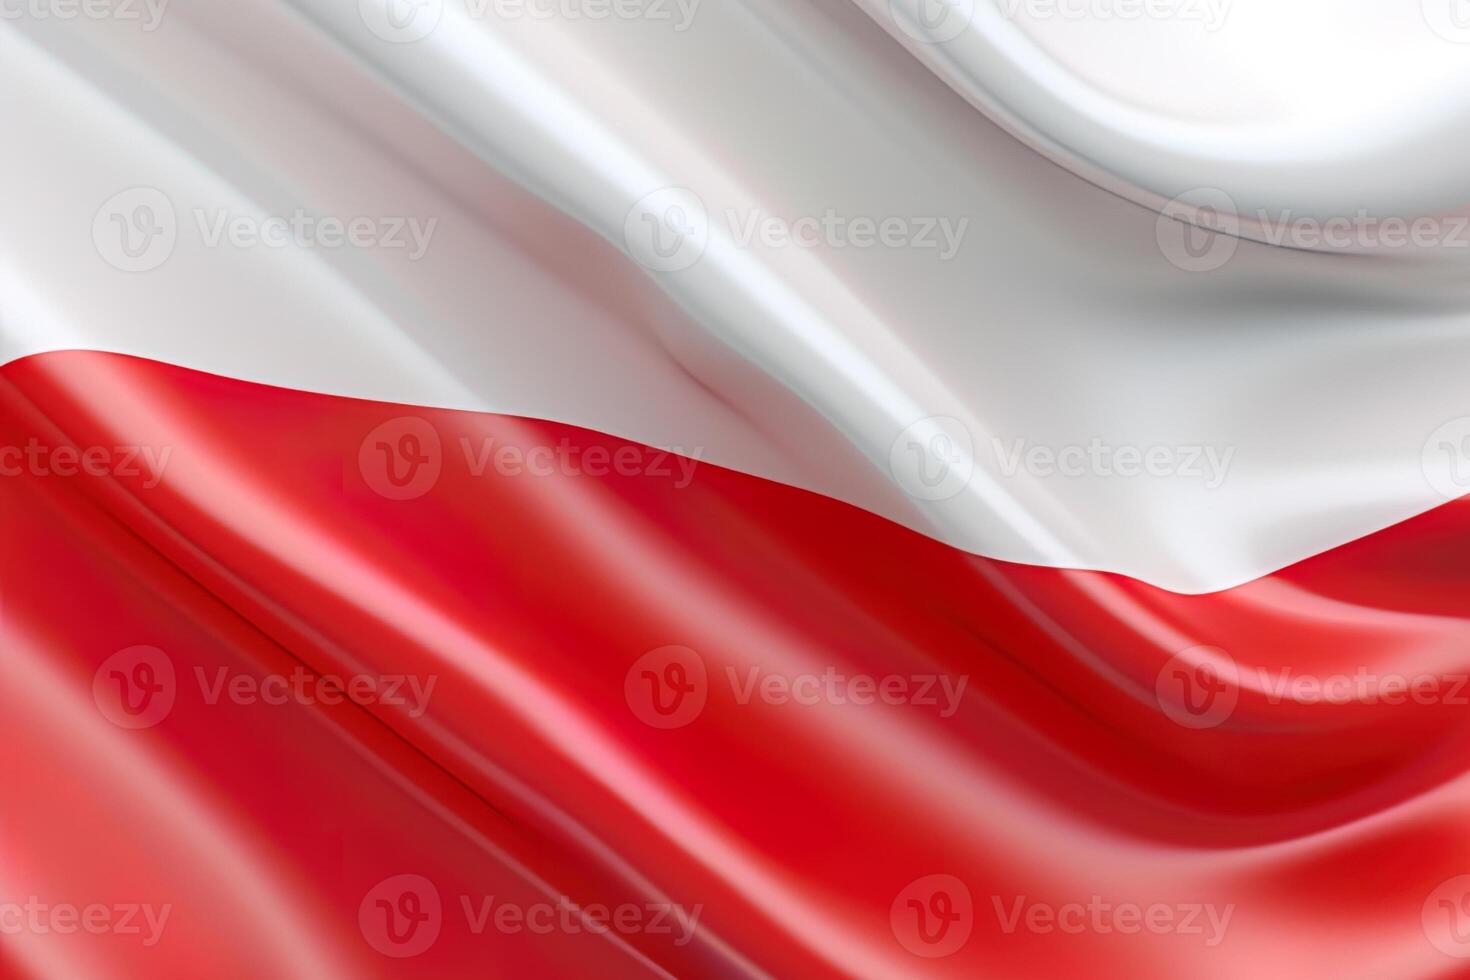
x: 763, y: 488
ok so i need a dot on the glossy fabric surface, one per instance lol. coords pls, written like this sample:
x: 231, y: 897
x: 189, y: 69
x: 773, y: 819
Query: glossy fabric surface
x: 1057, y: 773
x: 749, y: 488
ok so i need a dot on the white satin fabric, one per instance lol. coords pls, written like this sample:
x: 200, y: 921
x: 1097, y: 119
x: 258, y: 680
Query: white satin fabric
x: 1293, y: 399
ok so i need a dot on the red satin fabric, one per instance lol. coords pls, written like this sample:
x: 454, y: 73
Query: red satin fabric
x: 824, y: 839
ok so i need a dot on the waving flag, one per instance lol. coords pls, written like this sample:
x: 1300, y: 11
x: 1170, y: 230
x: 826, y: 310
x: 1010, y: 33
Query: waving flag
x: 543, y: 488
